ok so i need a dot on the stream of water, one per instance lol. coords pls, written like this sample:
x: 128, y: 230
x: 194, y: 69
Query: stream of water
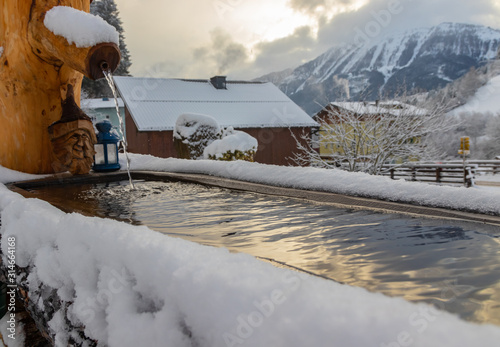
x: 109, y: 78
x: 454, y: 265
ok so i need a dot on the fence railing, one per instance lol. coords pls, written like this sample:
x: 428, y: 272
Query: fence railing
x: 448, y: 173
x: 483, y: 166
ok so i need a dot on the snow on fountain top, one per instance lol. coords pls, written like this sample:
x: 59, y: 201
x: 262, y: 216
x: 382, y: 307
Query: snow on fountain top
x: 78, y: 27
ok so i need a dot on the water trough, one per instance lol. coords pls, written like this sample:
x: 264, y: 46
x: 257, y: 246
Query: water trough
x: 420, y: 253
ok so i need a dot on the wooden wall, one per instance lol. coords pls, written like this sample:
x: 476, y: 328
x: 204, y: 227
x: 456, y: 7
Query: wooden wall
x: 276, y: 145
x: 157, y: 143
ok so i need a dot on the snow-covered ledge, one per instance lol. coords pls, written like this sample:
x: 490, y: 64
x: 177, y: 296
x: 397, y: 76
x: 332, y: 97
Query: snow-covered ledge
x: 124, y: 285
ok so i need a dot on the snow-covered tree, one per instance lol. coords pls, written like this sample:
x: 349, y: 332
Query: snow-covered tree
x: 461, y: 90
x: 471, y: 124
x: 364, y: 136
x: 108, y: 10
x: 493, y: 137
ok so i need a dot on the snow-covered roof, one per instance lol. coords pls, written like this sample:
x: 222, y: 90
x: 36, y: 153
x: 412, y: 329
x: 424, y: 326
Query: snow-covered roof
x: 394, y: 108
x: 156, y: 103
x: 96, y: 104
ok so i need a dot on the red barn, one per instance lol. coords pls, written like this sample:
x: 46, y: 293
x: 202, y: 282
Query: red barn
x: 152, y: 106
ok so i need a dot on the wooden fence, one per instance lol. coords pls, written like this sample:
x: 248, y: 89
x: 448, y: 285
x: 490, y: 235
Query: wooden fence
x: 448, y: 173
x: 483, y: 166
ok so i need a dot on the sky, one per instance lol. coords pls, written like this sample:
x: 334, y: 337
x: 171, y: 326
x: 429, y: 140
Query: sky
x: 245, y: 39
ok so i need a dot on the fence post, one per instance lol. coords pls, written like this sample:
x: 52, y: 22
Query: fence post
x: 469, y: 176
x: 439, y: 170
x: 465, y: 176
x: 392, y: 173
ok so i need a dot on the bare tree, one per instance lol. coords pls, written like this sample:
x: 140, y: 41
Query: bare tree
x: 363, y: 136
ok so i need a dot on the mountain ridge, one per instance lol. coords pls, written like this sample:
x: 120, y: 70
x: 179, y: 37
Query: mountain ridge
x: 414, y: 60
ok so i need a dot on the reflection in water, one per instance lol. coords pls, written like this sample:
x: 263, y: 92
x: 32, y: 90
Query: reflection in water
x: 454, y: 265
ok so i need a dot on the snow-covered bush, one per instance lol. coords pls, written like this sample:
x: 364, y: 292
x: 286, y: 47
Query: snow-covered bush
x: 194, y: 132
x: 234, y: 145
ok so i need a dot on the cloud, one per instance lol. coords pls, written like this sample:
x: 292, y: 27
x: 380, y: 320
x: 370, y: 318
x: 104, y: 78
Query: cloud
x: 309, y: 6
x: 222, y: 54
x: 313, y: 7
x: 273, y: 55
x: 190, y: 39
x: 379, y: 17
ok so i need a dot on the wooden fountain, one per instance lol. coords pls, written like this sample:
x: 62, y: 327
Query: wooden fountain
x: 36, y: 68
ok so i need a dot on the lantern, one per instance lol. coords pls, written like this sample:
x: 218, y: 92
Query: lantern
x: 106, y: 148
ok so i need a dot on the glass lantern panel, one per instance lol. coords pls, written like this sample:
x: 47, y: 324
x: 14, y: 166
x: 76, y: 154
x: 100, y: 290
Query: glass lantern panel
x: 112, y: 159
x: 99, y: 154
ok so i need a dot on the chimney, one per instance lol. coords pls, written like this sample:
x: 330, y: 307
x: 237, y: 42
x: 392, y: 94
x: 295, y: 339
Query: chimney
x: 219, y: 82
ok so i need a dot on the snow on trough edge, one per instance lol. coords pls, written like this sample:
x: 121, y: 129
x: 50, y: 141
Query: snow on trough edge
x: 335, y: 181
x: 132, y: 286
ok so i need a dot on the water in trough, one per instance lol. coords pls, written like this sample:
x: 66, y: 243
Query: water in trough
x: 452, y: 264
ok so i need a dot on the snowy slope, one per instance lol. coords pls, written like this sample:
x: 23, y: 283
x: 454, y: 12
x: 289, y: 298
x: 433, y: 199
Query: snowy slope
x: 486, y: 99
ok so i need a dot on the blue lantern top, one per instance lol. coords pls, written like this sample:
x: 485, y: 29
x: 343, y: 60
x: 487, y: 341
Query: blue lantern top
x: 105, y: 135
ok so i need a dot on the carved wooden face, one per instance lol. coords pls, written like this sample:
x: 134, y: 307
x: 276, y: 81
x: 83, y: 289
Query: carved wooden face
x: 74, y: 151
x: 79, y: 142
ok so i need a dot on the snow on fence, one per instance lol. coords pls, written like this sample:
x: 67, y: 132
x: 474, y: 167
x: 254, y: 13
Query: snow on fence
x: 447, y: 172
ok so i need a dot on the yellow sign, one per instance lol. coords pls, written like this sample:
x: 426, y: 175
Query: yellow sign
x: 464, y: 145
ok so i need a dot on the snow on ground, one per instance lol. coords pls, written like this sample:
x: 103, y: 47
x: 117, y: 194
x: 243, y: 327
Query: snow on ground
x: 78, y: 27
x: 488, y: 178
x: 131, y: 286
x: 8, y: 175
x: 336, y: 181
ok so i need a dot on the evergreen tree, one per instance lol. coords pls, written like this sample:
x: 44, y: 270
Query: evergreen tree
x: 107, y: 10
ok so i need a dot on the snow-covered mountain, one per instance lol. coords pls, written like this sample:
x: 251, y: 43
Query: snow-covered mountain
x: 419, y: 59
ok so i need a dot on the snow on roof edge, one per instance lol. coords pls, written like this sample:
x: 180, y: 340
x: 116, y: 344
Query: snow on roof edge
x: 125, y: 103
x: 239, y: 126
